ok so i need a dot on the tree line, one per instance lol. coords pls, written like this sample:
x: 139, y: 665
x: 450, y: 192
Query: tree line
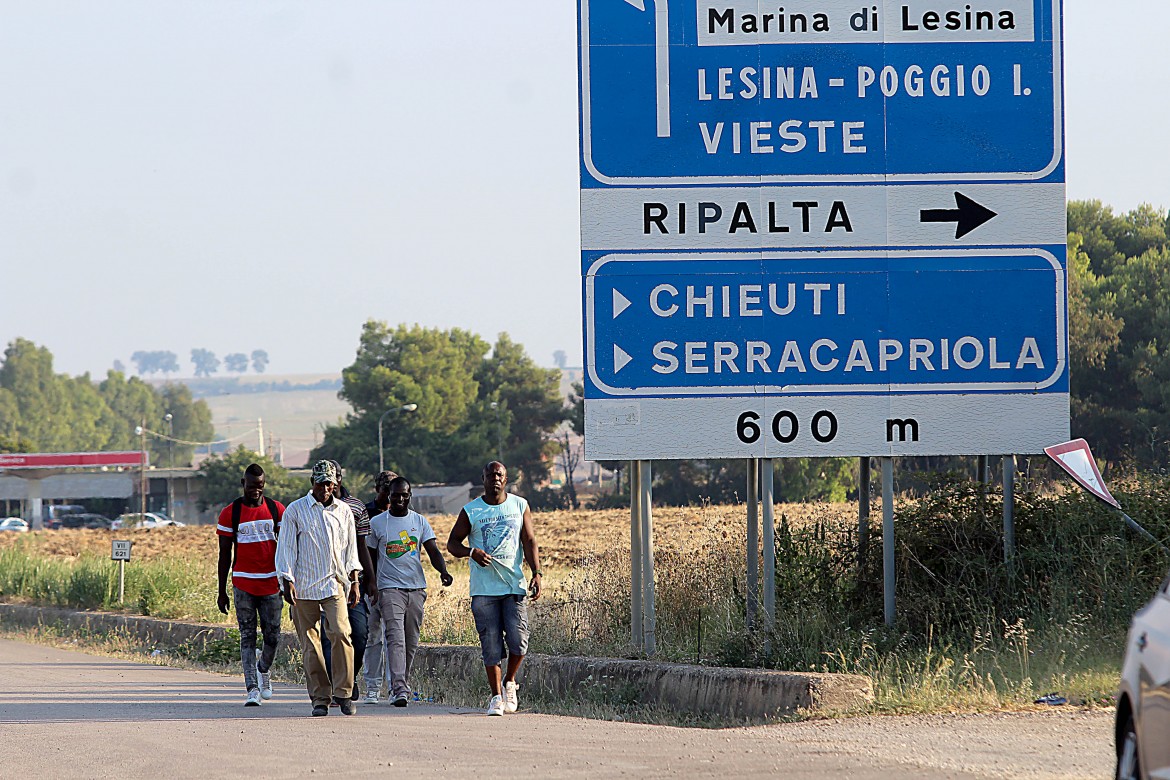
x: 204, y: 361
x: 43, y: 411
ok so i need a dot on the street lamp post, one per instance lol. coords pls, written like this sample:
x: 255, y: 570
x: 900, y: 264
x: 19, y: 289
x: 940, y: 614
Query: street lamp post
x: 170, y: 421
x: 403, y: 408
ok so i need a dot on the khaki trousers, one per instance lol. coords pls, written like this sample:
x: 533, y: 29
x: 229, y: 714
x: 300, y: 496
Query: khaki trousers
x: 306, y: 615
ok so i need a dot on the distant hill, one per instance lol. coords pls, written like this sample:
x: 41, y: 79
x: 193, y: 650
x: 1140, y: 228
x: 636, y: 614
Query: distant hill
x: 209, y: 387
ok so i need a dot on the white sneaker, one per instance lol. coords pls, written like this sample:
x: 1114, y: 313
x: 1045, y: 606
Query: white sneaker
x: 495, y: 707
x: 265, y: 682
x: 371, y: 696
x: 253, y: 698
x: 511, y: 700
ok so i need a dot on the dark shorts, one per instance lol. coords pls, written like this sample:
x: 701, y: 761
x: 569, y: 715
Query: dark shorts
x: 500, y: 620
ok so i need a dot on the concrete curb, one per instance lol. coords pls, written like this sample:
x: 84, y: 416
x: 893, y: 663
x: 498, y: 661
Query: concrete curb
x: 749, y: 694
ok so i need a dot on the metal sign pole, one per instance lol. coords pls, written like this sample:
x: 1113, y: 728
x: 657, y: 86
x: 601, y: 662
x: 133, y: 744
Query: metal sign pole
x: 888, y: 538
x: 863, y: 478
x: 753, y: 539
x: 121, y: 582
x: 645, y: 499
x: 636, y: 581
x: 1009, y: 501
x: 767, y: 502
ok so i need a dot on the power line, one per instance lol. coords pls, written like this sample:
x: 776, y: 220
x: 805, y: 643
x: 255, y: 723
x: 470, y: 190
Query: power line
x: 164, y: 437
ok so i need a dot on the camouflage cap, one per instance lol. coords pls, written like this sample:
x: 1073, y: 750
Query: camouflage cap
x: 384, y: 479
x: 324, y: 471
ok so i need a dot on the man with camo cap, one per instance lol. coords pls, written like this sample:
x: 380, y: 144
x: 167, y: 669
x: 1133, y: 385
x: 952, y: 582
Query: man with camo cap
x: 359, y: 614
x: 318, y: 568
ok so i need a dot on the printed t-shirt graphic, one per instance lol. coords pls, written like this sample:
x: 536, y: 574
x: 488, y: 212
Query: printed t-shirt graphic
x: 396, y: 541
x: 254, y: 570
x: 496, y: 531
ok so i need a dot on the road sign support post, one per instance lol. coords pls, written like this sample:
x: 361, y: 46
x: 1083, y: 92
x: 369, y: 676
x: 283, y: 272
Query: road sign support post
x: 753, y: 540
x: 1009, y: 501
x: 863, y: 506
x: 982, y: 471
x: 768, y: 505
x: 645, y: 501
x: 120, y: 552
x: 888, y: 539
x: 636, y: 582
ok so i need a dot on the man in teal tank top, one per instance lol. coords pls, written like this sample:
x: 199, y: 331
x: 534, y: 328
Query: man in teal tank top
x: 495, y: 531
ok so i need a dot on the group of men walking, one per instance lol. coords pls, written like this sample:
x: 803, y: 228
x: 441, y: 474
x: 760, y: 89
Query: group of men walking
x: 353, y: 578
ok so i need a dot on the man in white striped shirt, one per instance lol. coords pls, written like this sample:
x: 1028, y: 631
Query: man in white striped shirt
x: 318, y: 566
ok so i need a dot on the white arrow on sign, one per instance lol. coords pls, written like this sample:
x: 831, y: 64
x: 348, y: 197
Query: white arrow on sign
x: 661, y: 60
x: 620, y: 303
x: 1076, y: 458
x: 620, y: 358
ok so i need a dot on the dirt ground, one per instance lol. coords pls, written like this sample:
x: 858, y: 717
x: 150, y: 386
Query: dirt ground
x: 565, y: 537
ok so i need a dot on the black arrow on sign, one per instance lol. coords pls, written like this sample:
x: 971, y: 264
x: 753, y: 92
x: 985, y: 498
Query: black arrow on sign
x: 968, y: 216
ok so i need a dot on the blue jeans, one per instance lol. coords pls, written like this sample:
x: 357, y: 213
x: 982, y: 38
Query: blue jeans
x: 359, y: 626
x: 501, y: 620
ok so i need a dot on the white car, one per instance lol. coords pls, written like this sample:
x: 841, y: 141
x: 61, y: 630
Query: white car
x: 1143, y: 700
x: 13, y: 524
x: 148, y: 520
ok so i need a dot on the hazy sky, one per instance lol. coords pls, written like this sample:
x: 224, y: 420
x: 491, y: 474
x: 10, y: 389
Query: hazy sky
x: 271, y: 174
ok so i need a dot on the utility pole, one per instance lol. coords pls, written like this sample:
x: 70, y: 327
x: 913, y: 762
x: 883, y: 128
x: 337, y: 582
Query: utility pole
x: 141, y: 431
x: 260, y: 436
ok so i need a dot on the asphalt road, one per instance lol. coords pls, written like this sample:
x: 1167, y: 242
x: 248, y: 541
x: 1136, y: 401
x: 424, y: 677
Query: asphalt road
x: 66, y: 714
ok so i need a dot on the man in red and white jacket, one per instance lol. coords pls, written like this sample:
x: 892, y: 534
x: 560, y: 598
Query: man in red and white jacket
x: 249, y: 526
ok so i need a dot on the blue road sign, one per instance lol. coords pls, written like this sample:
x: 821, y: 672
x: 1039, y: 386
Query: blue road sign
x: 822, y: 227
x: 844, y: 323
x: 732, y: 91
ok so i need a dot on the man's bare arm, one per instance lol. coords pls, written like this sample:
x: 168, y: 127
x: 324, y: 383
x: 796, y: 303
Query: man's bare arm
x: 459, y: 534
x: 225, y: 567
x: 531, y: 554
x: 432, y: 548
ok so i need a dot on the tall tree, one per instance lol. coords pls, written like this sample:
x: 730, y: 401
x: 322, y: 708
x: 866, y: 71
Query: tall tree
x: 236, y: 362
x: 1119, y: 329
x: 190, y: 421
x: 454, y: 382
x: 531, y: 395
x: 259, y: 361
x: 205, y: 362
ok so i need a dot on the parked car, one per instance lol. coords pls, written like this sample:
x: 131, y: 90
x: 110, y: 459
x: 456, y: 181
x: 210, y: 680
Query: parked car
x: 13, y: 524
x: 84, y: 520
x: 148, y: 520
x: 1143, y: 716
x: 54, y: 512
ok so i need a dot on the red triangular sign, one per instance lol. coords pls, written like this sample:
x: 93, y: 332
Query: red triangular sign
x: 1076, y: 458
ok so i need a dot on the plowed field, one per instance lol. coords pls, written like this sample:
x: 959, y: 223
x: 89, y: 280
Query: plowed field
x: 565, y: 537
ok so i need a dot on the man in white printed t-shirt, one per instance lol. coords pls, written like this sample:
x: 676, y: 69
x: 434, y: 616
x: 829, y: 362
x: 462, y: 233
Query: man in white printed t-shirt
x: 396, y: 536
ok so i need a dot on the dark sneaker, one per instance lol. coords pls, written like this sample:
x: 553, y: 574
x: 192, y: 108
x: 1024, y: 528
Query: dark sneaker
x: 400, y: 700
x: 320, y: 710
x: 347, y: 706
